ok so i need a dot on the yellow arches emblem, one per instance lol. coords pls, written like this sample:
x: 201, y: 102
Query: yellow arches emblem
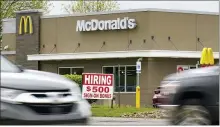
x: 207, y: 57
x: 25, y: 23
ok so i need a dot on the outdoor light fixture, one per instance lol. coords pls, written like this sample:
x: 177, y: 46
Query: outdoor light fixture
x: 169, y: 38
x: 198, y: 39
x: 78, y: 44
x: 103, y: 43
x: 130, y: 41
x: 43, y: 46
x: 152, y: 37
x: 144, y: 41
x: 53, y: 48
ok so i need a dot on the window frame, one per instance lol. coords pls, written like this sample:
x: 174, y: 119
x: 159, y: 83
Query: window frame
x: 125, y: 92
x: 70, y: 68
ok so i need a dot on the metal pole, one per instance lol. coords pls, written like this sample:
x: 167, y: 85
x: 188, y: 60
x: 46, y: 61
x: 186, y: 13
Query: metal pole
x: 138, y: 69
x: 137, y: 82
x: 119, y: 83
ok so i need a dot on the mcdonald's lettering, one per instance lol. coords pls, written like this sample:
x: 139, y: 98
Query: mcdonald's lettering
x: 25, y: 23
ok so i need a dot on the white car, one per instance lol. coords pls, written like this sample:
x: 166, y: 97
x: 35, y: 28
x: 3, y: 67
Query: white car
x: 40, y: 97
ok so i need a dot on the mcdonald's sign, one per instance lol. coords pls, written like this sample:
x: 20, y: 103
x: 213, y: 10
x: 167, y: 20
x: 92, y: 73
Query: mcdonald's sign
x: 26, y: 25
x: 207, y: 57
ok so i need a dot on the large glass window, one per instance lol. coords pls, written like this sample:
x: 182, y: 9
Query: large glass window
x: 120, y: 79
x: 71, y: 70
x: 124, y: 75
x: 131, y: 78
x: 108, y: 70
x: 77, y: 71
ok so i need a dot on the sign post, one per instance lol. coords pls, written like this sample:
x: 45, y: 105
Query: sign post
x: 97, y: 86
x: 138, y: 71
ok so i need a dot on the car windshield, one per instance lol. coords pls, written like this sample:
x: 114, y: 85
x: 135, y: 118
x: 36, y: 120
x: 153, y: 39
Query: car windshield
x: 7, y: 66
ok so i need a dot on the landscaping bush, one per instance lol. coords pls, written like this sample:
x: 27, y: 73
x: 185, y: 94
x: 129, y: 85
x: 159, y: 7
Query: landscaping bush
x: 78, y: 80
x: 75, y: 78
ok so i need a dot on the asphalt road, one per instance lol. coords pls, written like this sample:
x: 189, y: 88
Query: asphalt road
x: 109, y: 121
x: 99, y: 121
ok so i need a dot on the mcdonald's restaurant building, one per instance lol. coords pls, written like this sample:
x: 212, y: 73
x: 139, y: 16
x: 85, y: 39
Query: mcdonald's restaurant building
x: 112, y: 42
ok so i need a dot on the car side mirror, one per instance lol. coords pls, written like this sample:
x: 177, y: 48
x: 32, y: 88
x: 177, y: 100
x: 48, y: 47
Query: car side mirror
x: 20, y: 67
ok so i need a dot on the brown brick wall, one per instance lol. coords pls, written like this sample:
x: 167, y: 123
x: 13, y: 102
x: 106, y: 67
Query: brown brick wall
x: 27, y: 44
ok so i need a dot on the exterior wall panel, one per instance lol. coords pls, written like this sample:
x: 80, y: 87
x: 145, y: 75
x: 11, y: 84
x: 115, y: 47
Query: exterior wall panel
x: 48, y: 36
x: 208, y: 32
x: 180, y: 27
x: 10, y: 40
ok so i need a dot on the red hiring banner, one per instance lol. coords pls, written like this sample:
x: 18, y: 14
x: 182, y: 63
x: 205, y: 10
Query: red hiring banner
x: 97, y: 86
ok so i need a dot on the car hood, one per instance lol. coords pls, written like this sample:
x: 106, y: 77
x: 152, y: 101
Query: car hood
x: 208, y: 71
x: 36, y: 80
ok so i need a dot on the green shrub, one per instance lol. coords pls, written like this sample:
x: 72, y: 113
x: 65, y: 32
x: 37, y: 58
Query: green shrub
x: 78, y: 80
x: 75, y: 78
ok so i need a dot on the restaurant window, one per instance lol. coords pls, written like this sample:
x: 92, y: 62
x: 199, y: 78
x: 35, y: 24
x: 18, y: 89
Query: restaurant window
x: 70, y: 70
x: 124, y: 77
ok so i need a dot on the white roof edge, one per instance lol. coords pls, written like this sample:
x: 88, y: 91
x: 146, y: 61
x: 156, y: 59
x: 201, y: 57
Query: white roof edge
x: 8, y: 52
x: 133, y: 10
x: 30, y: 11
x: 118, y: 54
x: 8, y: 19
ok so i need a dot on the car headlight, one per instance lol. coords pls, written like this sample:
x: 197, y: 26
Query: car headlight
x: 169, y: 88
x: 75, y: 91
x: 10, y: 94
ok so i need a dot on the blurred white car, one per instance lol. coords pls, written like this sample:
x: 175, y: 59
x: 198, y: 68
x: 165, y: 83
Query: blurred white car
x: 36, y: 96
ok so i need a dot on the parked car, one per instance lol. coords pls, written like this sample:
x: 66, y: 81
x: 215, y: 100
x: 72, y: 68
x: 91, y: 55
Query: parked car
x: 156, y: 97
x: 192, y: 96
x: 40, y: 97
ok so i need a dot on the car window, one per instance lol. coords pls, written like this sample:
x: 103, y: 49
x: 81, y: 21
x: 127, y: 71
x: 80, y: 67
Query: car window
x: 7, y: 66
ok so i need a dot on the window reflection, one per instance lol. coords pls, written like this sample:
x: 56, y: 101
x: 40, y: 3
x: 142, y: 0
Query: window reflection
x: 127, y: 77
x: 120, y: 77
x: 71, y: 70
x: 64, y: 71
x: 77, y: 71
x: 131, y: 79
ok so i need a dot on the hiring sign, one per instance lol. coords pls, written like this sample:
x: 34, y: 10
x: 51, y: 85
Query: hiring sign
x: 97, y: 86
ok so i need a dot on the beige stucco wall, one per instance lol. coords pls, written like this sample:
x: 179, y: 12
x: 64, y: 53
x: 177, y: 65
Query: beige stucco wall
x: 10, y: 40
x: 184, y: 29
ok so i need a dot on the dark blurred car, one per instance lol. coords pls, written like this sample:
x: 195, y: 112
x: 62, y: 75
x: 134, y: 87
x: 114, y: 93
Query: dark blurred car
x: 156, y: 97
x: 192, y: 97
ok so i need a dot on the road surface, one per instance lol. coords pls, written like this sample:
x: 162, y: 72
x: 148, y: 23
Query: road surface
x: 109, y: 121
x: 100, y: 121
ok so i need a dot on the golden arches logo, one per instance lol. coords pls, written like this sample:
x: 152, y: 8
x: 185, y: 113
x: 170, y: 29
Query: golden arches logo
x: 25, y: 23
x: 207, y: 57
